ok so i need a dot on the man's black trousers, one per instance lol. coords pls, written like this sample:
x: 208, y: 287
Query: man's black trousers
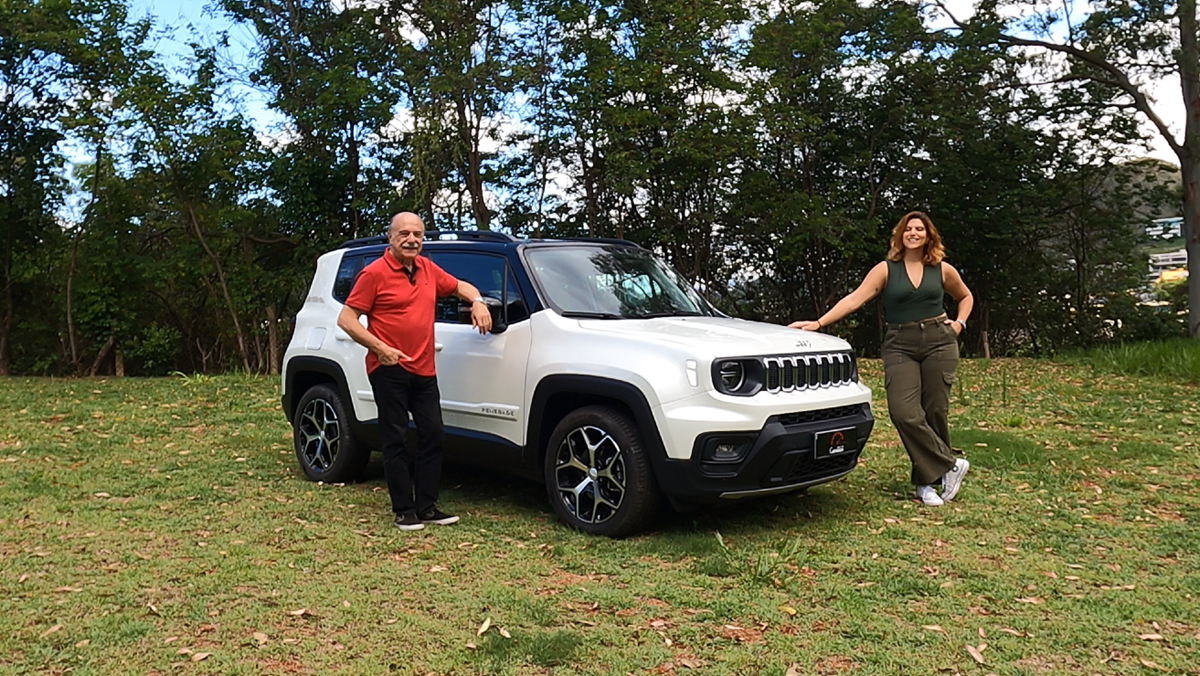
x: 399, y: 393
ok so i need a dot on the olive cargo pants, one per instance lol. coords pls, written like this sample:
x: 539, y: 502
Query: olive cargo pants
x: 919, y: 359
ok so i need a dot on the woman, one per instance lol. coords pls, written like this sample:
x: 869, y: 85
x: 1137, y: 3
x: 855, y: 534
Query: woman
x: 920, y: 348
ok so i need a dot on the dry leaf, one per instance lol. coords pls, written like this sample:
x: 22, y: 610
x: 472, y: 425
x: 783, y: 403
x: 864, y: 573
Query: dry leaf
x: 484, y: 627
x: 1031, y: 599
x: 1152, y: 665
x: 153, y: 609
x: 975, y: 653
x: 437, y: 569
x: 982, y: 633
x: 981, y: 647
x: 84, y: 643
x: 298, y: 613
x: 1014, y: 632
x: 73, y: 590
x: 24, y: 576
x: 789, y: 610
x: 259, y: 637
x: 200, y: 657
x: 793, y: 670
x: 170, y: 639
x: 933, y: 627
x: 470, y: 646
x: 1050, y: 574
x: 51, y: 630
x: 1150, y: 637
x: 184, y: 651
x: 504, y: 632
x: 691, y: 662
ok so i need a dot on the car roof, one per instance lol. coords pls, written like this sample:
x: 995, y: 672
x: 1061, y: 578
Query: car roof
x: 485, y: 239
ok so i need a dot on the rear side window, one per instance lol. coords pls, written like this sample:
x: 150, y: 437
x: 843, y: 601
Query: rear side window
x: 347, y: 272
x: 490, y: 274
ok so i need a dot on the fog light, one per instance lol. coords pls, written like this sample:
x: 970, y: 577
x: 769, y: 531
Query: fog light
x: 726, y: 453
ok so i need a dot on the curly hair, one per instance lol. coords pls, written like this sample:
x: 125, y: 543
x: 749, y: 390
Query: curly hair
x: 934, y: 251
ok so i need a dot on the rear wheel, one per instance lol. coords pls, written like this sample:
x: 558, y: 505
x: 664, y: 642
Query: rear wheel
x: 325, y: 448
x: 597, y: 473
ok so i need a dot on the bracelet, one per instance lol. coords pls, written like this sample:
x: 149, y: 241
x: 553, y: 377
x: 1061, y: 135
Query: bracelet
x: 819, y: 325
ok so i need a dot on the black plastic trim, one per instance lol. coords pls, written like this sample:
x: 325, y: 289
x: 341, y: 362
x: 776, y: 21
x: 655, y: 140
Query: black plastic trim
x: 327, y: 371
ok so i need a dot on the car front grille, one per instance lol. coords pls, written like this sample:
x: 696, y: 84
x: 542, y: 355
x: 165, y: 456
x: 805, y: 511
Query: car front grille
x: 808, y: 371
x: 817, y: 415
x: 808, y: 469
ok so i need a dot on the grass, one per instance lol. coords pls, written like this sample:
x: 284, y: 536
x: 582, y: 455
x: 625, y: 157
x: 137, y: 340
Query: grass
x: 1173, y: 359
x: 160, y: 527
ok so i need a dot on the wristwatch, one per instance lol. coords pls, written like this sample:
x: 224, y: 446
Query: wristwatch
x: 962, y: 322
x: 480, y: 300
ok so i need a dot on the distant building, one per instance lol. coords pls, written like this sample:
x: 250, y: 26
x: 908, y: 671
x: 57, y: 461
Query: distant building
x: 1165, y: 229
x: 1166, y: 262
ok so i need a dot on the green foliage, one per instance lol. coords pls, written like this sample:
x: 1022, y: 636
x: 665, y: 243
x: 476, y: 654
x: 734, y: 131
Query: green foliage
x: 1177, y: 359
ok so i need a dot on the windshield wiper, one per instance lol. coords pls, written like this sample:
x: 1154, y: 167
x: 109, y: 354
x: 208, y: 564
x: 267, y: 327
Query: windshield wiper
x: 591, y: 315
x: 673, y: 313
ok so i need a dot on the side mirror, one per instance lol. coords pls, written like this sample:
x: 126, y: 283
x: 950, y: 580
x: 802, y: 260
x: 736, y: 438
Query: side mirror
x: 495, y: 308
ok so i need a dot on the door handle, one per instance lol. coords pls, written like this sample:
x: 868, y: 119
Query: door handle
x: 437, y: 347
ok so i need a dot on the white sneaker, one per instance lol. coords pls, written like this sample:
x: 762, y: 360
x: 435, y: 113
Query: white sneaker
x: 927, y: 495
x: 952, y: 480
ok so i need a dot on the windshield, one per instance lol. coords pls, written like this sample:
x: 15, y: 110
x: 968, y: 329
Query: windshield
x: 612, y: 282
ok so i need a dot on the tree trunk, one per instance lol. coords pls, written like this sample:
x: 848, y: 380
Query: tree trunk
x: 108, y: 346
x: 1189, y: 155
x: 6, y: 320
x: 272, y: 341
x: 70, y: 316
x: 118, y: 362
x: 237, y: 327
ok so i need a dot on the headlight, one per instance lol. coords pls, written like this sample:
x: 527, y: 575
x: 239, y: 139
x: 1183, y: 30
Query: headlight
x: 742, y: 377
x: 732, y: 375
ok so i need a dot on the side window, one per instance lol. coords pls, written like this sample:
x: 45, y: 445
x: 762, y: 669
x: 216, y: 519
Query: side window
x: 489, y: 274
x: 348, y: 271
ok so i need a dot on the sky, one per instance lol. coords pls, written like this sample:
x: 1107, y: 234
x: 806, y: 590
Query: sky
x: 1165, y: 93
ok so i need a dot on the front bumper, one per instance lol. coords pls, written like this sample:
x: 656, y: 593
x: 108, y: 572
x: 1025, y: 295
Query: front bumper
x: 780, y: 457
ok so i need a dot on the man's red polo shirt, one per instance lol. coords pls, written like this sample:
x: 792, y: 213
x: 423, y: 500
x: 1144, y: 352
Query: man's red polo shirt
x: 400, y: 312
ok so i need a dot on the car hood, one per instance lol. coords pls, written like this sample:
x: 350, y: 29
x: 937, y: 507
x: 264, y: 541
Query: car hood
x: 719, y: 336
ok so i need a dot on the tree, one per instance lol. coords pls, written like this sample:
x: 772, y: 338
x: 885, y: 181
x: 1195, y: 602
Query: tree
x: 1106, y: 52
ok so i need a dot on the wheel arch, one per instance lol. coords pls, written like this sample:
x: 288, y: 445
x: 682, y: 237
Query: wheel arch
x: 303, y: 373
x: 558, y: 395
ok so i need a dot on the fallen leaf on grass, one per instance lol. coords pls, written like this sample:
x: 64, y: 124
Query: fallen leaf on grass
x: 24, y: 576
x: 1151, y: 665
x: 1014, y: 632
x: 793, y: 670
x: 1030, y: 599
x: 691, y: 662
x: 170, y: 639
x: 484, y: 627
x: 789, y: 610
x: 73, y: 590
x: 1150, y: 637
x: 200, y: 657
x: 184, y: 651
x: 51, y: 630
x: 504, y: 632
x: 437, y: 569
x: 982, y: 633
x: 1050, y: 574
x: 975, y: 653
x: 84, y: 643
x: 260, y: 637
x: 933, y: 627
x: 470, y: 646
x: 301, y: 613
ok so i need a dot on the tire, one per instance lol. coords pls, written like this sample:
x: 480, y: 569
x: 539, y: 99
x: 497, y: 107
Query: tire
x: 325, y: 448
x: 597, y: 474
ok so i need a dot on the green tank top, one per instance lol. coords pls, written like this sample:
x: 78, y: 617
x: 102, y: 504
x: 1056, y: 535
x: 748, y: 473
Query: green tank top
x: 904, y: 303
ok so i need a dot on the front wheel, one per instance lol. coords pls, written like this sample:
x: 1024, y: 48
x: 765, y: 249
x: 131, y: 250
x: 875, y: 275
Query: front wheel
x: 597, y: 473
x: 325, y: 448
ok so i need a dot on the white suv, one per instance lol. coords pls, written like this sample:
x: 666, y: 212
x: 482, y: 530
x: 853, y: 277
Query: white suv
x: 605, y: 376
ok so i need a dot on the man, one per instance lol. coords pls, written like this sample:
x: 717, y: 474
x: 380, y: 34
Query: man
x: 398, y: 294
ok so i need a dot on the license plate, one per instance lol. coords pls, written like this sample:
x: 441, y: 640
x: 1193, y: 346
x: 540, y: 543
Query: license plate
x: 835, y: 442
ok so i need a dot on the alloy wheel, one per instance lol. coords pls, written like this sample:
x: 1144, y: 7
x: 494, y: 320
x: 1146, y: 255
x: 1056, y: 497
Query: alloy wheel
x: 318, y: 434
x: 589, y: 471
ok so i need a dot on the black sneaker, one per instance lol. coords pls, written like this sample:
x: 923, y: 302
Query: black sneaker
x: 408, y: 521
x: 434, y: 515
